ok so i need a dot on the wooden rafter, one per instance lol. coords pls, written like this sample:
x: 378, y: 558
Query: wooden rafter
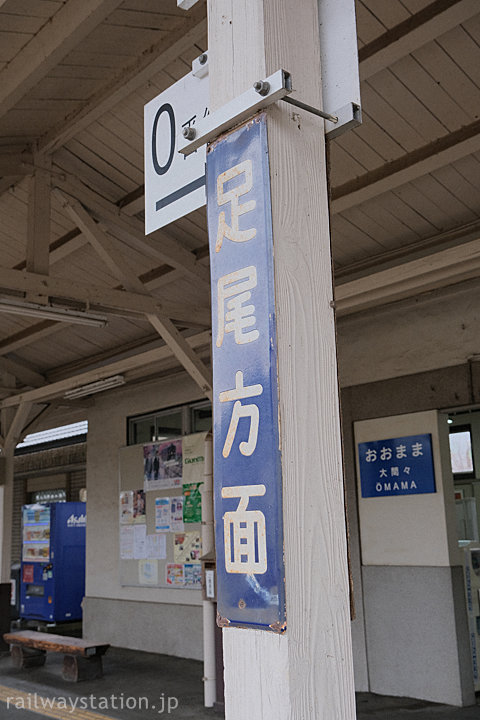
x: 27, y: 336
x: 413, y: 33
x: 116, y: 262
x: 152, y: 61
x: 26, y: 374
x: 19, y: 163
x: 439, y: 269
x: 389, y: 176
x: 57, y: 389
x: 159, y: 245
x: 65, y: 30
x: 98, y: 298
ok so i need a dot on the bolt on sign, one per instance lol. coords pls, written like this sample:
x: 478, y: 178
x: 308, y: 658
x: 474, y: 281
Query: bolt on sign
x: 247, y: 463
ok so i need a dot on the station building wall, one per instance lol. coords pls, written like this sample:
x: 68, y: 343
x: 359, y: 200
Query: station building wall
x: 414, y: 356
x: 160, y: 620
x: 410, y: 634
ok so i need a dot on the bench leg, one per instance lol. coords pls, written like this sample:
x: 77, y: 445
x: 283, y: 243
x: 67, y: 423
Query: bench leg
x: 27, y: 657
x: 76, y: 668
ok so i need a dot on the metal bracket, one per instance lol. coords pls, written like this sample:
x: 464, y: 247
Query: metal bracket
x: 236, y: 111
x: 263, y: 93
x: 348, y: 117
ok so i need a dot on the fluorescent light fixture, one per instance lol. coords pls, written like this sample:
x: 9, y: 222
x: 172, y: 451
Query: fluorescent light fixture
x: 95, y: 387
x: 78, y: 317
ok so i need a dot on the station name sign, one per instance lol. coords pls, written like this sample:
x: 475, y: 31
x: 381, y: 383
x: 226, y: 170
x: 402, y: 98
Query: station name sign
x: 397, y: 466
x: 247, y: 467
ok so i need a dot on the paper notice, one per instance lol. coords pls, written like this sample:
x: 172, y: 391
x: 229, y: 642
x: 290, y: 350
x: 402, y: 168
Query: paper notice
x: 139, y: 542
x: 162, y: 514
x: 157, y: 546
x: 148, y: 572
x: 193, y: 458
x: 187, y: 547
x: 174, y: 575
x: 126, y: 507
x: 126, y: 541
x: 193, y: 575
x: 176, y: 514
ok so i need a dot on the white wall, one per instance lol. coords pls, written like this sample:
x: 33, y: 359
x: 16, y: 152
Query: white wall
x: 435, y: 331
x: 410, y: 530
x: 438, y: 331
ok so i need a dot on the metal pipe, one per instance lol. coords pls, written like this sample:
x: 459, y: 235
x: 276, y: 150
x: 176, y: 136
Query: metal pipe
x: 208, y: 544
x: 309, y: 108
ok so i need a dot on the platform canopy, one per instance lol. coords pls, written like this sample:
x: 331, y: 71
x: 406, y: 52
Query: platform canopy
x: 74, y: 78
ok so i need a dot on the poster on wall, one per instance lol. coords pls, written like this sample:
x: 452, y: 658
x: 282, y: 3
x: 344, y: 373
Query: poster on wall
x: 139, y: 515
x: 176, y: 514
x: 126, y: 507
x: 192, y: 503
x: 157, y: 546
x: 162, y: 465
x: 397, y: 466
x: 174, y: 575
x: 162, y: 514
x: 193, y: 458
x: 187, y: 547
x: 193, y: 575
x: 148, y: 572
x: 139, y: 542
x: 126, y: 542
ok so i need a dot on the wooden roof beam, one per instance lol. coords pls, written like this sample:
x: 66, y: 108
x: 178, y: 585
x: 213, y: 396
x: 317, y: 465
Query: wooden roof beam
x: 415, y: 32
x: 131, y: 231
x: 152, y: 61
x: 19, y: 163
x: 64, y: 31
x: 98, y: 298
x: 21, y: 371
x: 57, y: 389
x: 115, y: 261
x: 27, y: 336
x: 439, y: 269
x: 38, y: 220
x: 422, y: 161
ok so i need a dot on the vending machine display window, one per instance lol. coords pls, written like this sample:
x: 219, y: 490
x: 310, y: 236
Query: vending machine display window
x: 36, y: 533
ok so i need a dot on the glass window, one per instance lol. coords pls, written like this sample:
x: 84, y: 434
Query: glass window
x: 166, y: 424
x: 169, y: 425
x: 141, y: 430
x: 201, y: 418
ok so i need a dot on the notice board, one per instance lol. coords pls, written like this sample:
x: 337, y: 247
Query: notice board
x: 159, y: 513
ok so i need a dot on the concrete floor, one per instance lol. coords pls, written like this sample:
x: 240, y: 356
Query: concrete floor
x: 131, y: 676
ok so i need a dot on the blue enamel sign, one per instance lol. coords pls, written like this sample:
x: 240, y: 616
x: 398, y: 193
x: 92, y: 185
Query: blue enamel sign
x: 398, y: 466
x: 247, y: 468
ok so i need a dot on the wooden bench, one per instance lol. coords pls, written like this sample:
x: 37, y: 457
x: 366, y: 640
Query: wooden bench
x: 82, y: 659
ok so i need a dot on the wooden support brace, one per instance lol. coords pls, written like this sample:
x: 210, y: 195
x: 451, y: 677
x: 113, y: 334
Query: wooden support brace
x: 116, y: 262
x: 38, y: 228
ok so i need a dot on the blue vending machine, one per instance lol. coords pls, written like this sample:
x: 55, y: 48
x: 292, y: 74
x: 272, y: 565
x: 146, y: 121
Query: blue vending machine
x: 53, y: 561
